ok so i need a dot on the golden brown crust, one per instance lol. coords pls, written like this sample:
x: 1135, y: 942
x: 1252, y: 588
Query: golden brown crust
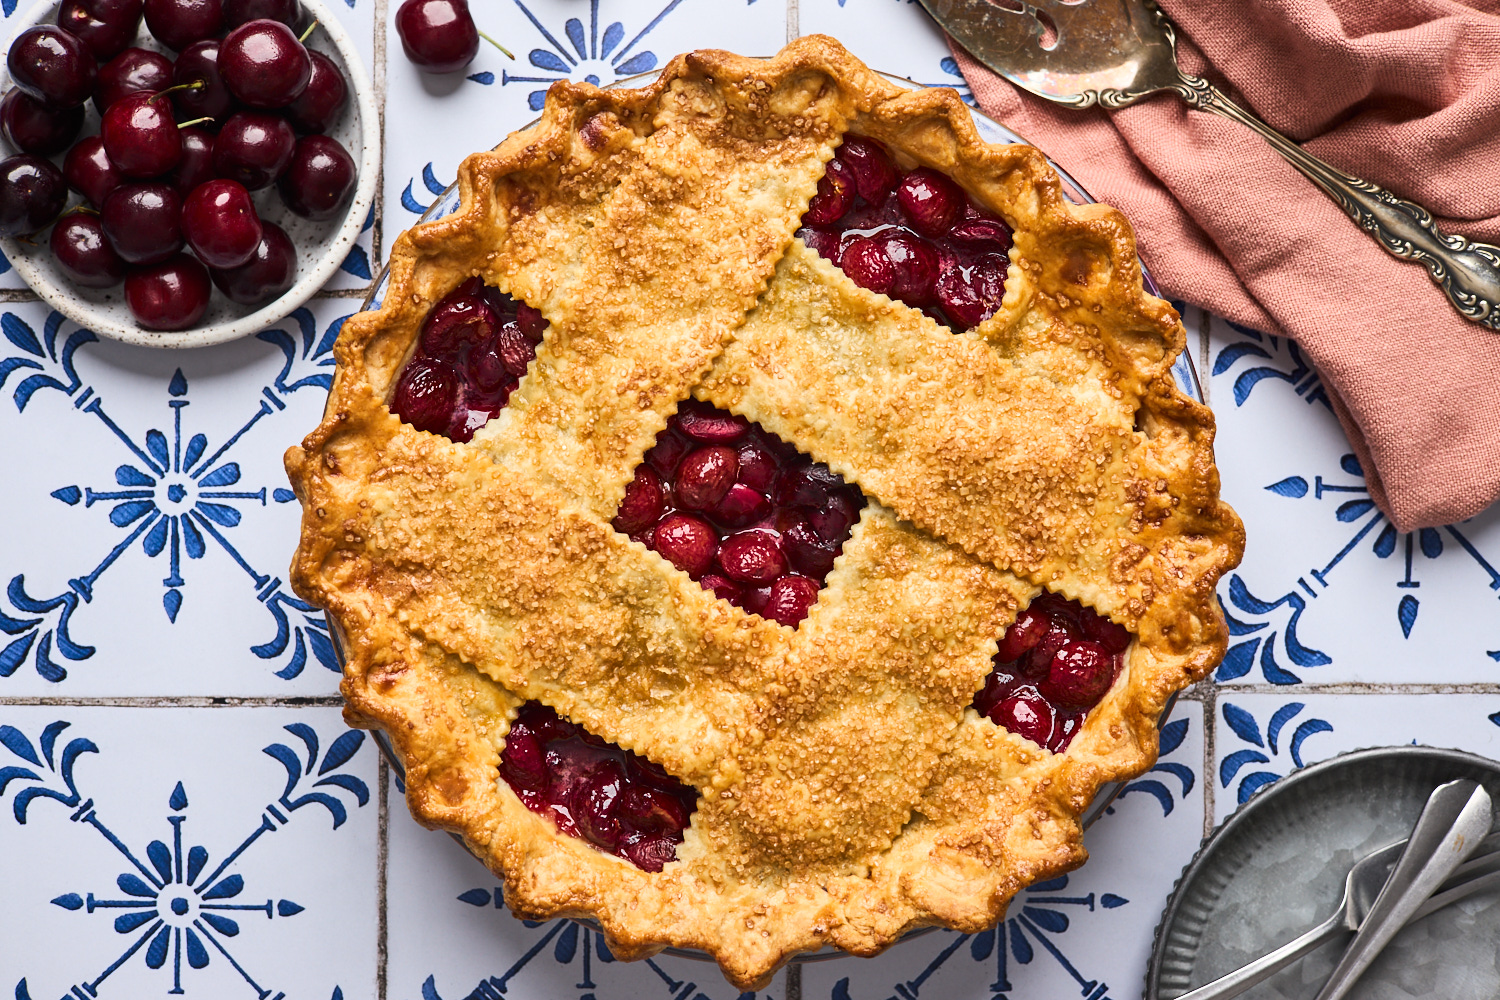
x: 848, y: 792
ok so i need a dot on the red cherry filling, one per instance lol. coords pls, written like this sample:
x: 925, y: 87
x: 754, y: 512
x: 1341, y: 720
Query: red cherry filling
x: 916, y: 237
x: 474, y: 347
x: 618, y: 801
x: 749, y: 517
x: 1055, y: 663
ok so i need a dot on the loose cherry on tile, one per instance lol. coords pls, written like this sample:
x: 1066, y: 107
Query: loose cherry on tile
x: 916, y: 237
x: 437, y: 35
x: 1054, y: 663
x: 618, y: 801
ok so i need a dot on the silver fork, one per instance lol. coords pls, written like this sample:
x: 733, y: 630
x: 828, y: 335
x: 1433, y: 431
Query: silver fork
x: 1086, y: 52
x: 1361, y: 887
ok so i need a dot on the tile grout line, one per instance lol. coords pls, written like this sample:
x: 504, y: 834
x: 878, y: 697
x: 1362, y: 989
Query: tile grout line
x: 176, y: 701
x: 377, y: 231
x: 382, y: 890
x: 1210, y: 710
x: 793, y: 32
x: 794, y: 970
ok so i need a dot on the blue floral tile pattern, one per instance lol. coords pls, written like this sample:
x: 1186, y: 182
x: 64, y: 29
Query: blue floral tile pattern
x: 183, y: 811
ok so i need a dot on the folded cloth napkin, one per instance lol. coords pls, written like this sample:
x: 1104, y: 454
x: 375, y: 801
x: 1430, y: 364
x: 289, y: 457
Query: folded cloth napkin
x: 1404, y: 93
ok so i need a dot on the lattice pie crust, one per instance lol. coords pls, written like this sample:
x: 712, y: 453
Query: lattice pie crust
x: 848, y: 793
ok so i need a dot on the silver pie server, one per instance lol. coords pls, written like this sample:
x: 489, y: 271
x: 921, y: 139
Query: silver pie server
x: 1114, y: 52
x: 1362, y: 887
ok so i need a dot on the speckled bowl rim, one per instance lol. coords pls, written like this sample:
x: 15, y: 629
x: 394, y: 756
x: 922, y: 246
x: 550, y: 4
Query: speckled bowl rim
x: 311, y: 279
x: 1267, y: 798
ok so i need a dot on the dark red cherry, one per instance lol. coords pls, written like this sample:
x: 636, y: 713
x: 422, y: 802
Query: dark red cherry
x: 32, y: 193
x: 202, y: 93
x: 140, y: 135
x: 741, y: 507
x: 865, y: 262
x: 823, y: 242
x: 596, y: 803
x: 643, y: 502
x: 666, y: 453
x: 982, y: 235
x: 790, y: 600
x: 1106, y: 633
x: 1026, y: 714
x: 463, y: 316
x: 220, y: 224
x: 319, y: 106
x: 238, y: 12
x: 973, y: 297
x: 687, y: 542
x: 254, y: 147
x: 172, y: 295
x: 264, y: 65
x: 437, y: 35
x: 84, y: 254
x: 758, y: 465
x: 514, y: 349
x: 133, y: 71
x: 834, y: 197
x: 915, y: 265
x: 197, y: 163
x: 31, y: 127
x: 705, y: 475
x: 319, y: 181
x: 1080, y: 674
x: 179, y: 23
x: 930, y: 201
x: 143, y: 222
x: 1038, y: 660
x: 52, y: 65
x: 426, y: 394
x: 834, y: 518
x: 753, y: 556
x: 533, y: 324
x: 106, y: 26
x: 522, y: 761
x: 89, y: 171
x: 1022, y: 635
x: 722, y: 587
x: 806, y: 551
x: 869, y: 166
x: 271, y: 270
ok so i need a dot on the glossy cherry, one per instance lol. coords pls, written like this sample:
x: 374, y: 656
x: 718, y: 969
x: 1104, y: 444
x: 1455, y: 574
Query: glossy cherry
x: 32, y: 193
x: 52, y: 65
x: 179, y: 23
x: 140, y: 135
x: 264, y: 65
x: 220, y: 224
x: 319, y: 181
x: 318, y: 108
x: 133, y: 71
x: 238, y: 12
x: 254, y: 147
x: 31, y: 127
x: 199, y: 90
x: 81, y: 250
x: 172, y: 295
x: 89, y: 172
x: 437, y: 35
x: 197, y: 163
x: 427, y: 394
x: 143, y: 222
x: 269, y: 273
x: 931, y: 201
x: 105, y: 26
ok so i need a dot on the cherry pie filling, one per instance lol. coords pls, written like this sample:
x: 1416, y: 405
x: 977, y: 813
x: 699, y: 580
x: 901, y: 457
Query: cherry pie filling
x: 748, y: 516
x: 1055, y: 663
x: 618, y: 801
x: 915, y: 236
x: 474, y: 347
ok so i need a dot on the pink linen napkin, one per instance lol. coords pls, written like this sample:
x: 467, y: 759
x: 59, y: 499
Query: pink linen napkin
x: 1404, y: 93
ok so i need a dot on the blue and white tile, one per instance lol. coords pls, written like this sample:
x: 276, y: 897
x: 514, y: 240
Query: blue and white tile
x: 1087, y: 933
x: 148, y: 517
x: 1320, y: 556
x: 893, y: 36
x: 451, y: 937
x: 1260, y: 737
x: 433, y: 122
x: 208, y: 852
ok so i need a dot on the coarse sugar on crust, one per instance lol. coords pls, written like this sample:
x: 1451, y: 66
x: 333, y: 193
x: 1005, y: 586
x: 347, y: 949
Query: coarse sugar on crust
x: 848, y: 791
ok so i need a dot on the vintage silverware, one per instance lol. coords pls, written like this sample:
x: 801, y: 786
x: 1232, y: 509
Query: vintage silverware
x: 1366, y: 878
x: 1086, y: 52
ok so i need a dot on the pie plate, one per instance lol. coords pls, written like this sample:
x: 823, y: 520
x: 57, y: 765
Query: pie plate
x: 1276, y: 867
x: 321, y: 246
x: 449, y: 202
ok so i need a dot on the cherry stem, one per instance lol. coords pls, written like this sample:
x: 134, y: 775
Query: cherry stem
x: 196, y: 121
x: 309, y: 31
x: 497, y: 45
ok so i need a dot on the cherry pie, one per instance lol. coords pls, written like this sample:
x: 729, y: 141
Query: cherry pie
x: 762, y: 516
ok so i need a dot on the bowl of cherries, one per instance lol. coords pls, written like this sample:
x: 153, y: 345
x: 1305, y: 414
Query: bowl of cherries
x: 183, y: 172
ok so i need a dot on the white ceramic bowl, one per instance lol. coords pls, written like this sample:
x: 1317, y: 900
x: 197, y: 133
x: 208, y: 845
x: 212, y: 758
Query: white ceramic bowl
x: 321, y: 246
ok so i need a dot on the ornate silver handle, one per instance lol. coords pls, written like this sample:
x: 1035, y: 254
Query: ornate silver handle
x: 1467, y: 272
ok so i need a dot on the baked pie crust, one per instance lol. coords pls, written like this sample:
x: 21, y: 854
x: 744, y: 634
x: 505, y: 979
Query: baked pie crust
x: 848, y: 791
